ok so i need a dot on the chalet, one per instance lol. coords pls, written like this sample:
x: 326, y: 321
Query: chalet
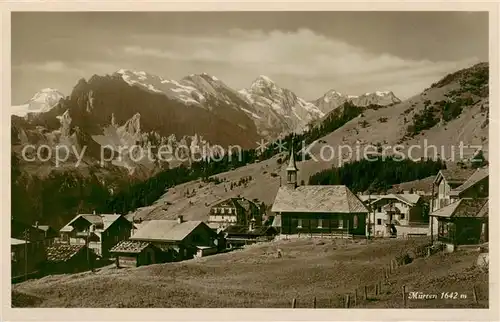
x: 134, y: 253
x: 397, y: 215
x: 457, y: 184
x: 177, y: 239
x: 463, y: 222
x: 330, y: 209
x: 234, y: 211
x: 21, y: 230
x: 26, y: 258
x: 64, y: 258
x: 50, y: 234
x: 446, y: 181
x: 100, y: 232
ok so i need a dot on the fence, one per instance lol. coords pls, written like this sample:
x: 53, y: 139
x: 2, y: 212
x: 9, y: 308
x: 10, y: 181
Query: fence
x: 364, y: 294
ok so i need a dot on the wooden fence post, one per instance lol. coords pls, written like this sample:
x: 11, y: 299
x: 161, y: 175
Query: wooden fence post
x: 314, y: 302
x: 404, y: 295
x: 376, y: 289
x: 379, y: 287
x: 347, y: 300
x: 366, y: 293
x: 294, y: 303
x: 474, y: 293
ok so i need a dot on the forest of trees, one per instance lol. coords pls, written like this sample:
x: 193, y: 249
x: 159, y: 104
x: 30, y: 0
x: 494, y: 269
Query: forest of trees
x: 377, y: 175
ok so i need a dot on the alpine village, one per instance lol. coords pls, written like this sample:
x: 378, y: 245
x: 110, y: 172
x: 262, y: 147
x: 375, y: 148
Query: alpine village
x: 270, y: 229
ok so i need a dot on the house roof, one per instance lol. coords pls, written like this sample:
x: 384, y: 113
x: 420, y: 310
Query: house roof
x: 484, y: 212
x: 15, y: 241
x: 241, y: 201
x: 165, y: 230
x: 62, y: 252
x: 476, y: 177
x: 407, y: 198
x: 332, y: 198
x: 454, y: 176
x: 463, y: 208
x: 423, y: 185
x: 130, y: 246
x: 101, y: 222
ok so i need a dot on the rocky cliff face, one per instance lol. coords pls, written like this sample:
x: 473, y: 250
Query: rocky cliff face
x: 278, y: 110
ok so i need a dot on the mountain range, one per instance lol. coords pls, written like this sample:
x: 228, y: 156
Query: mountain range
x: 199, y: 111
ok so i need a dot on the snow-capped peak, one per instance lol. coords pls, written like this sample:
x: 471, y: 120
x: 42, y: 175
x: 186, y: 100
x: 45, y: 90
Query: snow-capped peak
x: 265, y: 79
x: 42, y: 101
x: 382, y: 93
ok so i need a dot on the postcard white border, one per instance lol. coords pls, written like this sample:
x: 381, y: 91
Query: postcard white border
x: 9, y: 314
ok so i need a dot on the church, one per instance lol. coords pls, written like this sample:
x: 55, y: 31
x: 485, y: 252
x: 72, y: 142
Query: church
x: 317, y: 209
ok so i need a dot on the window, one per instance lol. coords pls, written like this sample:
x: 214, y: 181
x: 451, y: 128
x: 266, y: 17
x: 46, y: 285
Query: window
x: 355, y: 222
x: 379, y: 221
x: 341, y: 223
x: 222, y: 210
x: 379, y: 209
x: 13, y: 256
x: 229, y: 210
x: 299, y: 223
x: 402, y: 216
x: 320, y: 223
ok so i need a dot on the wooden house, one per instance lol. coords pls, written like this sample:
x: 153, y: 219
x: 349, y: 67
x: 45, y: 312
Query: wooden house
x: 445, y: 182
x: 50, y: 234
x: 22, y: 230
x: 134, y: 253
x: 177, y: 239
x: 463, y: 222
x: 456, y: 184
x: 395, y: 215
x: 234, y: 211
x: 100, y: 232
x: 26, y: 258
x: 64, y: 258
x: 332, y: 209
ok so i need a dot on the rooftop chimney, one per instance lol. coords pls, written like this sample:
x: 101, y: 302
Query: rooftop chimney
x: 180, y: 219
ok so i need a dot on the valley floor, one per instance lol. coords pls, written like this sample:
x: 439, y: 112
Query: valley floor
x: 256, y: 277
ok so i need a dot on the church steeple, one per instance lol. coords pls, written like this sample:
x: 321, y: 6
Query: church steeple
x: 291, y: 170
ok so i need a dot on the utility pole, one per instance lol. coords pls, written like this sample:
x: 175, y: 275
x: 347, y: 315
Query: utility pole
x: 26, y: 234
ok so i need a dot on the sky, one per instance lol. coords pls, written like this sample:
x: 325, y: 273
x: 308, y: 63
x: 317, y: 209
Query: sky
x: 306, y: 52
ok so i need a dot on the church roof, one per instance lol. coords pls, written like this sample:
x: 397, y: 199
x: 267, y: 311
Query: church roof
x: 317, y: 199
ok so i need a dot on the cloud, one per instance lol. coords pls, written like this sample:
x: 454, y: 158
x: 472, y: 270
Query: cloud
x: 48, y: 67
x: 78, y: 68
x: 303, y: 54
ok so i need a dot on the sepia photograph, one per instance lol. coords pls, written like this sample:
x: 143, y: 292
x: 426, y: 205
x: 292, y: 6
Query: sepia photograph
x: 250, y: 159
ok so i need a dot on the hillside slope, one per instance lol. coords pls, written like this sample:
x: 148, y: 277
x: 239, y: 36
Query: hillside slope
x: 256, y: 278
x: 387, y: 126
